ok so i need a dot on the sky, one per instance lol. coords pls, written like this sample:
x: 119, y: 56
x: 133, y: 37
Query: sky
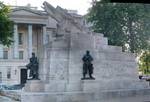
x: 80, y: 5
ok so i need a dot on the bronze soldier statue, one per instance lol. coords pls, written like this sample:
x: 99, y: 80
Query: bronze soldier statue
x: 87, y: 65
x: 33, y: 67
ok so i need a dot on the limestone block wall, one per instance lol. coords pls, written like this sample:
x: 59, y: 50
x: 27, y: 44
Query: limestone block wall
x: 58, y: 62
x: 113, y: 69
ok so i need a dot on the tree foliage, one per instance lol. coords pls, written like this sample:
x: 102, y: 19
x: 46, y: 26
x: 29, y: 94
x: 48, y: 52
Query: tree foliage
x: 144, y: 63
x: 6, y: 25
x: 123, y: 24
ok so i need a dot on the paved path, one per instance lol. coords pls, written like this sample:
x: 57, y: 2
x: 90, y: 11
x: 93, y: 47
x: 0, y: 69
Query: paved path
x: 6, y: 99
x: 145, y: 98
x: 138, y: 98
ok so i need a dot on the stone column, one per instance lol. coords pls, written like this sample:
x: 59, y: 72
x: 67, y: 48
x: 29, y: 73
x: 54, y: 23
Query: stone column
x: 29, y: 41
x: 1, y: 51
x: 16, y: 55
x: 44, y: 35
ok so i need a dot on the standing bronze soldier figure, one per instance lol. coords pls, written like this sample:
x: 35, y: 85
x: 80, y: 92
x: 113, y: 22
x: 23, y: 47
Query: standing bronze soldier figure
x: 87, y: 65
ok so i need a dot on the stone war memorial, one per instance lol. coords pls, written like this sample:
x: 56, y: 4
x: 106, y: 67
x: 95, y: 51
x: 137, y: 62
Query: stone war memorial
x: 78, y: 65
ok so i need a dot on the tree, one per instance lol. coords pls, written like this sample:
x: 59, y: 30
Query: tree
x: 144, y: 62
x: 123, y: 24
x: 6, y: 25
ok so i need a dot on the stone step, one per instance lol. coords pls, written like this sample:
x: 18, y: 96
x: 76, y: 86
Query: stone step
x: 104, y: 76
x: 95, y: 85
x: 123, y: 56
x: 114, y: 75
x: 100, y: 66
x: 100, y: 41
x: 103, y: 60
x: 116, y: 67
x: 106, y: 73
x: 102, y: 96
x: 114, y: 64
x: 98, y: 34
x: 92, y: 85
x: 100, y: 57
x: 110, y: 48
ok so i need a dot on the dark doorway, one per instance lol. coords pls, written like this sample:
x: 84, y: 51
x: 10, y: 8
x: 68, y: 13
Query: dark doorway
x: 23, y: 76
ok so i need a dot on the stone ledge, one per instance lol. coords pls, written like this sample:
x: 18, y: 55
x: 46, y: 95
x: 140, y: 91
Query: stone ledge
x: 82, y: 96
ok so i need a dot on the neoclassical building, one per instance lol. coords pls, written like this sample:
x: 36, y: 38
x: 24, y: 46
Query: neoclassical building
x: 32, y: 29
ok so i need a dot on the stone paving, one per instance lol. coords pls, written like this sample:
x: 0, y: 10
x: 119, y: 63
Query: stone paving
x: 6, y: 99
x: 138, y: 98
x: 145, y: 98
x: 141, y: 97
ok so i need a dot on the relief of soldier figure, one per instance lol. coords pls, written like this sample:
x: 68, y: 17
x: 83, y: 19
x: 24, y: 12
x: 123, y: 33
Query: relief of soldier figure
x: 33, y: 66
x: 87, y: 65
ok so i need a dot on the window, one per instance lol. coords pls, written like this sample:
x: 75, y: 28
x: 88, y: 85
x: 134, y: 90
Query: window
x: 5, y: 55
x: 20, y: 54
x: 20, y: 38
x: 8, y: 73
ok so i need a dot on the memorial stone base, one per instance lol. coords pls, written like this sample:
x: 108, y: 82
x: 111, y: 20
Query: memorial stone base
x: 34, y: 86
x: 141, y: 95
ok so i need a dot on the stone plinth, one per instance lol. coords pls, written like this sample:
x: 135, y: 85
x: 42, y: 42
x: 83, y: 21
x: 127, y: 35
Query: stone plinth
x: 101, y: 96
x: 99, y: 85
x: 34, y: 86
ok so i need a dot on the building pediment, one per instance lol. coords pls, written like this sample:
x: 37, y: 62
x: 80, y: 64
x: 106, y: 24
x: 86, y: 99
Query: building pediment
x: 27, y: 12
x: 27, y: 15
x: 24, y: 12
